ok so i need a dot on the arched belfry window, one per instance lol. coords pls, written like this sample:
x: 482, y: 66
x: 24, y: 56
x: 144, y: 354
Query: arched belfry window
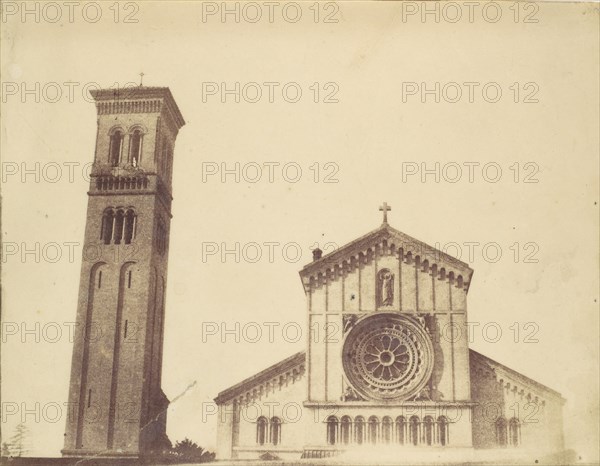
x: 261, y: 430
x: 118, y: 226
x: 107, y: 226
x: 115, y: 145
x: 135, y: 147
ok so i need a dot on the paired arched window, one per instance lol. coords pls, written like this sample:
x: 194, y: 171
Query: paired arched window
x: 508, y: 433
x: 268, y: 432
x: 118, y: 226
x: 116, y: 155
x: 415, y: 431
x: 115, y: 146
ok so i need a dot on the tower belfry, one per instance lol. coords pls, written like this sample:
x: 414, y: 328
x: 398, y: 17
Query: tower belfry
x: 117, y: 407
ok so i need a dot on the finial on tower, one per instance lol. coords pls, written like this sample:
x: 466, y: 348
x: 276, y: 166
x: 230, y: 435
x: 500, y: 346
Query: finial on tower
x: 141, y: 78
x: 385, y: 208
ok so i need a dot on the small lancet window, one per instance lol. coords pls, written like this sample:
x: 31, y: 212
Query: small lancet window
x: 100, y: 279
x: 129, y: 279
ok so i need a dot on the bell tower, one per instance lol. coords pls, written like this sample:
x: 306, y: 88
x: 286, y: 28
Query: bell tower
x: 116, y: 405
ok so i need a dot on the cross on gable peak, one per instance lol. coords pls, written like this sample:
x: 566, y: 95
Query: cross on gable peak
x: 385, y: 208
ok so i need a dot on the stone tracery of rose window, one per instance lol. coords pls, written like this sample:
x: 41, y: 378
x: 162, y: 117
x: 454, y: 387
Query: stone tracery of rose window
x: 387, y: 356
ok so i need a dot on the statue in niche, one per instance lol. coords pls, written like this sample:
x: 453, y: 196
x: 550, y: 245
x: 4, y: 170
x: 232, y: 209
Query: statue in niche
x: 386, y: 287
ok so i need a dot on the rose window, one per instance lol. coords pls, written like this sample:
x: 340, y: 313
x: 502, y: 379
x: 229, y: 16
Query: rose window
x: 387, y: 356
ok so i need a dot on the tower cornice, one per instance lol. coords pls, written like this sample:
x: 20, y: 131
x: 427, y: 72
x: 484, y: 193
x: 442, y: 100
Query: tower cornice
x: 155, y: 100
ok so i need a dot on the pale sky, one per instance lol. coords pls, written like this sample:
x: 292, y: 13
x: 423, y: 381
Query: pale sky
x: 369, y: 137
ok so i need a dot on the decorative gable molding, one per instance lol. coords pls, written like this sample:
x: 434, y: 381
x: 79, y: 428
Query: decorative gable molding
x: 273, y: 379
x: 512, y: 381
x: 382, y: 242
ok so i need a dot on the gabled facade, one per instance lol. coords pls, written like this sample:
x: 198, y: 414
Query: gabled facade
x: 387, y: 365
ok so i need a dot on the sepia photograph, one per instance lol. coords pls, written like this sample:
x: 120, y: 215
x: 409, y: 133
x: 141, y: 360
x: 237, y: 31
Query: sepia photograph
x: 299, y: 233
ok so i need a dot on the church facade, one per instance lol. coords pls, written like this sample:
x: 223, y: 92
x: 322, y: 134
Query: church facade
x: 387, y: 366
